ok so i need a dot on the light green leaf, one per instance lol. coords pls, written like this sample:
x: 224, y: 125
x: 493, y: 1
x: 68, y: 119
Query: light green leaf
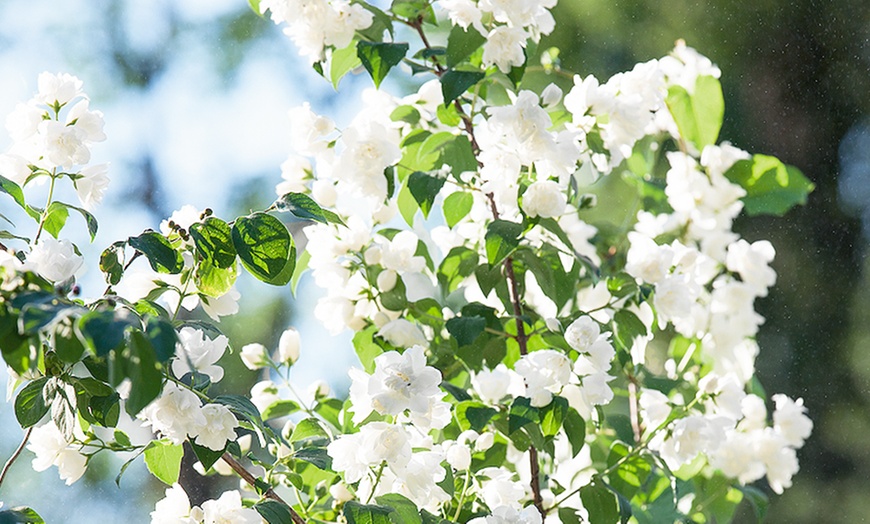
x: 456, y: 207
x: 14, y: 190
x: 379, y: 58
x: 342, y: 62
x: 20, y: 515
x: 404, y: 511
x: 772, y: 188
x: 357, y: 513
x: 407, y: 204
x: 214, y: 242
x: 55, y: 218
x: 280, y: 408
x: 366, y: 348
x: 307, y: 428
x: 553, y: 415
x: 163, y: 459
x: 698, y: 115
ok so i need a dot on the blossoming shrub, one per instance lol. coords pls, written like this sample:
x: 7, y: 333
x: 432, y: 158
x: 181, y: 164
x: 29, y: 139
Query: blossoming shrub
x: 518, y: 364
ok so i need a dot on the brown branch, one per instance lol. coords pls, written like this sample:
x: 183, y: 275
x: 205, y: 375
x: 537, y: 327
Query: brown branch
x: 633, y: 408
x: 15, y: 455
x: 252, y: 481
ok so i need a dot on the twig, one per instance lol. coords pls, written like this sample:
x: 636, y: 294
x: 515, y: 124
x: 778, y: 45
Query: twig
x: 15, y: 455
x: 252, y: 481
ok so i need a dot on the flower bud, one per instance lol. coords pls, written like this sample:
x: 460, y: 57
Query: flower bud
x: 318, y: 389
x: 254, y: 356
x: 484, y: 442
x: 288, y: 347
x: 340, y: 492
x: 387, y: 280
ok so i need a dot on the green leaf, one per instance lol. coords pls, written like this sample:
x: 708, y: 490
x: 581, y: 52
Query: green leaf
x: 626, y: 327
x: 330, y: 409
x: 461, y: 44
x: 456, y: 207
x: 14, y: 190
x: 162, y: 336
x: 502, y: 238
x: 698, y: 115
x: 104, y: 410
x: 111, y: 262
x: 455, y: 83
x: 36, y: 315
x: 163, y: 459
x: 280, y: 408
x: 159, y: 252
x: 274, y: 512
x: 357, y: 513
x: 90, y: 220
x: 459, y: 264
x: 473, y: 415
x: 265, y: 248
x: 553, y: 415
x: 631, y: 474
x: 600, y: 503
x: 143, y: 370
x: 304, y: 207
x: 424, y: 188
x: 757, y: 499
x: 772, y: 188
x: 207, y: 457
x: 521, y: 414
x: 405, y: 113
x: 214, y: 241
x: 20, y: 515
x: 407, y: 205
x: 382, y: 22
x: 255, y: 6
x: 379, y: 58
x: 242, y: 407
x: 404, y: 511
x: 103, y: 331
x: 342, y: 62
x: 465, y: 329
x: 366, y: 348
x: 29, y: 404
x: 307, y: 428
x: 316, y: 456
x: 55, y: 218
x: 575, y: 429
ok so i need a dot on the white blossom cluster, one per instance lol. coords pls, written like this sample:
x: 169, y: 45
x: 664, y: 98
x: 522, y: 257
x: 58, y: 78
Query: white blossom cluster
x: 179, y: 414
x: 314, y: 26
x: 175, y: 508
x: 506, y: 24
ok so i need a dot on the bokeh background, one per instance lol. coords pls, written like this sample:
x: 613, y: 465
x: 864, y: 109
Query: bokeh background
x: 195, y: 94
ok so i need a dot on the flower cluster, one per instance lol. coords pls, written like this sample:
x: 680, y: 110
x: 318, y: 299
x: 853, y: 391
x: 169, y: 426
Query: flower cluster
x: 175, y: 508
x: 179, y: 414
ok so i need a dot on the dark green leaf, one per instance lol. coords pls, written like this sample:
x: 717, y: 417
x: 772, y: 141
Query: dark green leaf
x: 357, y: 513
x: 698, y: 115
x: 455, y: 83
x: 456, y: 207
x: 600, y: 503
x: 465, y: 329
x: 160, y: 253
x: 627, y: 327
x: 757, y: 499
x: 103, y: 410
x: 316, y: 456
x: 20, y: 515
x: 304, y: 207
x: 502, y: 238
x: 163, y: 459
x: 521, y: 414
x: 379, y: 58
x: 14, y: 190
x: 162, y: 336
x: 214, y: 241
x: 35, y: 316
x: 143, y: 370
x: 274, y: 512
x: 461, y: 44
x: 457, y: 392
x: 553, y: 415
x: 382, y: 22
x: 112, y: 262
x: 265, y: 248
x: 103, y: 331
x: 30, y: 405
x: 424, y: 188
x: 207, y: 457
x: 396, y: 298
x: 772, y: 188
x: 474, y: 415
x: 575, y: 429
x: 242, y: 407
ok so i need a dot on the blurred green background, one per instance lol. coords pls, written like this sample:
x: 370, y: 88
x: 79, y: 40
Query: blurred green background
x: 796, y: 78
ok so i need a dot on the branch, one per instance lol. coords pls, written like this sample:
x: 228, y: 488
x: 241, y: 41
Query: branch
x: 252, y: 481
x: 15, y: 455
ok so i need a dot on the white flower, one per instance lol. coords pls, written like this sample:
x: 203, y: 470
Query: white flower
x: 647, y: 260
x: 308, y: 131
x: 340, y: 492
x: 544, y: 199
x: 197, y: 350
x: 400, y: 382
x: 228, y: 509
x: 176, y: 414
x: 402, y: 333
x: 15, y: 168
x: 92, y: 184
x: 501, y: 489
x: 376, y: 442
x: 183, y: 218
x: 62, y: 145
x: 509, y: 515
x: 90, y: 123
x: 551, y: 95
x: 493, y: 385
x: 504, y: 48
x: 595, y: 389
x: 254, y: 356
x: 23, y: 121
x: 790, y: 420
x: 52, y: 449
x: 288, y: 347
x: 752, y: 263
x: 226, y: 304
x: 219, y: 427
x: 582, y: 333
x: 463, y: 13
x: 545, y: 372
x: 654, y: 408
x: 399, y: 254
x: 264, y: 394
x: 458, y: 456
x: 174, y: 508
x: 56, y: 260
x: 58, y: 88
